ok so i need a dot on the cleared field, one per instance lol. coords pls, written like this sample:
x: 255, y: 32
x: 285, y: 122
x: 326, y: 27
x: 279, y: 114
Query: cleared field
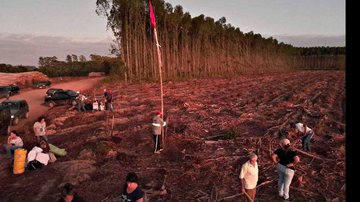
x: 213, y: 125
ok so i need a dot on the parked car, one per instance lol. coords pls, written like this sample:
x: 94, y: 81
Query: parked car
x: 51, y: 91
x: 5, y: 92
x: 43, y: 84
x: 62, y: 97
x: 18, y: 109
x: 14, y: 89
x: 5, y: 119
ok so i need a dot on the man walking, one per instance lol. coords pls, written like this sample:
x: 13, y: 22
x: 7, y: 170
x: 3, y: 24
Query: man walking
x: 157, y: 124
x: 302, y: 129
x: 285, y: 159
x: 249, y: 177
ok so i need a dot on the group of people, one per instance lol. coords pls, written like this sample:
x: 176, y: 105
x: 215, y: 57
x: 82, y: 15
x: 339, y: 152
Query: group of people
x: 285, y: 158
x: 41, y: 154
x: 14, y: 141
x: 96, y: 105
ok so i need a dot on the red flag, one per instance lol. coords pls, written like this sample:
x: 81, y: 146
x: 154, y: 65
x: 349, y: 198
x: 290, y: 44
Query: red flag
x: 152, y: 16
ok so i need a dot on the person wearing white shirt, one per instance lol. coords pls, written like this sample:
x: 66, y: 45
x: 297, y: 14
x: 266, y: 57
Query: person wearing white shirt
x: 13, y: 142
x: 304, y: 130
x: 40, y: 129
x: 249, y: 177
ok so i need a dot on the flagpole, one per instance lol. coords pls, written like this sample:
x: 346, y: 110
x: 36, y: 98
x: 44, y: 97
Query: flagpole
x: 160, y: 69
x: 153, y: 24
x: 161, y: 86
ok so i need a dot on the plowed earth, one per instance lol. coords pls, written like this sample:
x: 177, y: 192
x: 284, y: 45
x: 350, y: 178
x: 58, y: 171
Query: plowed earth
x: 212, y: 125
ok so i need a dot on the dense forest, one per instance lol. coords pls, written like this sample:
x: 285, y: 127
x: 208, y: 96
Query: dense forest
x: 199, y: 46
x: 191, y: 47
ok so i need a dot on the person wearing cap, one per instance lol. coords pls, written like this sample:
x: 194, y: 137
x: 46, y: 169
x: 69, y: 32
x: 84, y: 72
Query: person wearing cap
x: 302, y: 129
x: 131, y: 191
x: 249, y: 177
x: 286, y: 159
x: 157, y: 124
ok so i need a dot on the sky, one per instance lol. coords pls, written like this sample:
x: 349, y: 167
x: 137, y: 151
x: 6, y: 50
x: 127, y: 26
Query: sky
x: 30, y: 29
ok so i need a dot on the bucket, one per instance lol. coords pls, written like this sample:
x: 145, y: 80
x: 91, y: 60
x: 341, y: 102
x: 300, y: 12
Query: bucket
x: 19, y: 161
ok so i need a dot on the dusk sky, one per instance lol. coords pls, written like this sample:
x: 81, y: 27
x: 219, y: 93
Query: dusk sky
x: 30, y: 29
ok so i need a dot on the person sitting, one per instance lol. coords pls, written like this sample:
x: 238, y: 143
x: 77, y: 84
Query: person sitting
x: 68, y: 194
x: 13, y: 142
x: 38, y: 156
x: 96, y: 106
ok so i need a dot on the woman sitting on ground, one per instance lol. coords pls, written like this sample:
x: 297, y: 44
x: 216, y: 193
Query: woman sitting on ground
x: 13, y: 142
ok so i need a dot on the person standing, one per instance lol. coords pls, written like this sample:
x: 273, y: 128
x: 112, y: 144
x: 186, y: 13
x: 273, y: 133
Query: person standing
x: 249, y: 177
x: 40, y: 129
x: 81, y: 105
x: 108, y: 99
x: 13, y: 142
x: 286, y: 159
x: 302, y: 129
x: 131, y: 191
x: 157, y: 124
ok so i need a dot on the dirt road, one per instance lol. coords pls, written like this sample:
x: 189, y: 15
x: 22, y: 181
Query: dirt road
x: 35, y: 98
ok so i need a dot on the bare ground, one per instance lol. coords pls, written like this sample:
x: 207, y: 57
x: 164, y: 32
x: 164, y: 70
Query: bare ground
x: 35, y: 97
x: 213, y: 125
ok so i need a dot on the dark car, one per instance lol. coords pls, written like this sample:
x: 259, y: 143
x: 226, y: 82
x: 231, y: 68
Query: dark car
x: 5, y: 119
x: 18, y: 108
x: 51, y: 91
x: 5, y: 92
x: 43, y: 84
x: 62, y: 97
x: 14, y: 89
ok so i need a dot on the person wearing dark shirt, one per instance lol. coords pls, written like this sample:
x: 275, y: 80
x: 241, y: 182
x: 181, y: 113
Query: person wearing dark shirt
x: 108, y: 99
x: 285, y: 159
x: 69, y: 195
x: 132, y: 191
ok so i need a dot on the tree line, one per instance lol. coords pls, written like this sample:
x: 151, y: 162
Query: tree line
x: 304, y: 51
x: 16, y: 68
x: 192, y: 47
x: 79, y: 66
x: 72, y: 66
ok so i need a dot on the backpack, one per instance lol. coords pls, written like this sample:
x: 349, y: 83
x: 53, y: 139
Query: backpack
x: 34, y: 165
